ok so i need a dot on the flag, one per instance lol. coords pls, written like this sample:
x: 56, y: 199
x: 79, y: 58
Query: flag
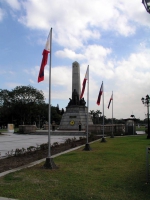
x: 111, y: 98
x: 84, y: 82
x: 99, y: 95
x: 46, y: 51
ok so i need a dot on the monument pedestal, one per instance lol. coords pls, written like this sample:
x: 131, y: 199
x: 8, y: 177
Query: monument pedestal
x: 73, y: 115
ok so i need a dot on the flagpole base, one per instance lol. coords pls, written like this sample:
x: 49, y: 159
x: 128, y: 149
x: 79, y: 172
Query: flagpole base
x: 103, y: 139
x: 87, y: 147
x: 49, y: 164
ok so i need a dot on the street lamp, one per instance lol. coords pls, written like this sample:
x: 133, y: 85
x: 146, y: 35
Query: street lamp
x: 146, y: 5
x: 146, y: 102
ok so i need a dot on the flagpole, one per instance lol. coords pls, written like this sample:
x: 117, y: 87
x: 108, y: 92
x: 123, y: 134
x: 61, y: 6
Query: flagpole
x: 103, y: 139
x: 103, y: 109
x: 49, y: 162
x: 87, y: 119
x: 87, y: 146
x: 112, y: 136
x: 49, y: 108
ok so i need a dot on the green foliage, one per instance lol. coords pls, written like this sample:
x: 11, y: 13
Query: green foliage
x: 140, y: 128
x: 25, y: 105
x: 55, y: 115
x: 44, y: 146
x: 55, y: 144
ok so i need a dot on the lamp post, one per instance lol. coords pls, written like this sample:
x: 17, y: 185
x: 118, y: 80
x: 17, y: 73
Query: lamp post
x: 146, y: 102
x: 146, y: 5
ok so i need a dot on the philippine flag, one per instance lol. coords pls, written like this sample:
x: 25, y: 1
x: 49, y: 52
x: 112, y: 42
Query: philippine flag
x: 99, y: 95
x: 84, y: 82
x: 46, y: 51
x: 111, y: 98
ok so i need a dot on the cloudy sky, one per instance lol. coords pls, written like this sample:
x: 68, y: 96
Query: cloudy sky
x: 113, y: 38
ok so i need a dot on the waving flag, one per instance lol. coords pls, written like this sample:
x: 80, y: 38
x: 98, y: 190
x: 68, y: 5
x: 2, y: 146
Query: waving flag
x: 46, y: 51
x: 84, y: 82
x: 99, y: 95
x: 111, y: 98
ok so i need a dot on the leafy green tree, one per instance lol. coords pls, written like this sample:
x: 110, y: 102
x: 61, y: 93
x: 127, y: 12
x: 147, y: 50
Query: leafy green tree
x: 98, y: 112
x: 54, y: 115
x: 20, y: 105
x: 95, y: 116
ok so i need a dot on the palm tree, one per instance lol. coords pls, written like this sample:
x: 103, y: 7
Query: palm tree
x: 92, y: 112
x: 98, y: 112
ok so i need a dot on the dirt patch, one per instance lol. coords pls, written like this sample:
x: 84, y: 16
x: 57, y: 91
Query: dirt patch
x: 31, y: 155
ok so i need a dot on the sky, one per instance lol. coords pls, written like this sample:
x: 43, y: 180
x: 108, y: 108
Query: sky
x: 112, y: 37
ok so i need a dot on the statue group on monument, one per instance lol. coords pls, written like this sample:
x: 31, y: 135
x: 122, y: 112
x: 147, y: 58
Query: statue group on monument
x: 75, y: 99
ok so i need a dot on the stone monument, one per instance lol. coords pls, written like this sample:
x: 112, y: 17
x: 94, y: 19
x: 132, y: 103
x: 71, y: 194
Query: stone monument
x: 76, y: 110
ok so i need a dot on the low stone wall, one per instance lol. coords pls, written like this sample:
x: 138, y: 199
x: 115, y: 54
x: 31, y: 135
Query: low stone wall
x: 97, y: 128
x: 27, y: 129
x: 45, y: 127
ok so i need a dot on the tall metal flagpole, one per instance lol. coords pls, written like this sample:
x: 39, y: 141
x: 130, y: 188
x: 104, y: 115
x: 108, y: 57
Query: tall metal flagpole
x: 49, y: 108
x: 112, y: 136
x: 87, y: 146
x: 87, y: 119
x: 103, y: 110
x: 103, y: 139
x: 49, y: 161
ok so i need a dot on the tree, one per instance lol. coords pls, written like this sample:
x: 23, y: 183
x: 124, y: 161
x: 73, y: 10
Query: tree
x: 20, y: 105
x: 95, y: 116
x: 98, y: 112
x: 54, y: 115
x: 57, y: 109
x: 92, y: 112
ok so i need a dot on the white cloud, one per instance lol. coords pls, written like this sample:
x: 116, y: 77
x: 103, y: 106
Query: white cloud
x: 76, y: 22
x: 67, y: 53
x: 14, y: 4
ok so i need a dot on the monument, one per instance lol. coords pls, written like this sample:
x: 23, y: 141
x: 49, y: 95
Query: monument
x: 75, y: 116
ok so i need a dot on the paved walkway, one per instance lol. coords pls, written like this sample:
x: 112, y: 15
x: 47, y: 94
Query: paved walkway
x: 140, y: 132
x: 12, y: 141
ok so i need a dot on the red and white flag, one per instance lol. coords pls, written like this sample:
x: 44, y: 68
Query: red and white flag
x: 99, y: 95
x: 84, y: 82
x: 111, y: 98
x: 46, y: 51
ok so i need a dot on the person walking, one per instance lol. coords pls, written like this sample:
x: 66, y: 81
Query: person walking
x: 80, y: 126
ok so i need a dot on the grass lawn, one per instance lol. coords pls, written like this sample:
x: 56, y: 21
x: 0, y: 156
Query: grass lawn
x: 140, y: 128
x: 115, y: 170
x: 6, y: 130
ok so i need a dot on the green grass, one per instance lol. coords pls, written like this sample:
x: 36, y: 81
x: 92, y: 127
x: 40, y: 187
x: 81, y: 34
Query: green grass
x: 6, y: 130
x: 115, y: 170
x: 140, y: 128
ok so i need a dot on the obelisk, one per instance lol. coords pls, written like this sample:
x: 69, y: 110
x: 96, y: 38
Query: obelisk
x: 76, y: 84
x: 76, y: 110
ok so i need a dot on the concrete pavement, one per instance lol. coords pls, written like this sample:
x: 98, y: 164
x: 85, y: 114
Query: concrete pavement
x: 12, y: 141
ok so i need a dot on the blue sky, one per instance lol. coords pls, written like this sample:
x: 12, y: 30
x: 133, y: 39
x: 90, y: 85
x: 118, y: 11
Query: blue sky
x: 111, y: 37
